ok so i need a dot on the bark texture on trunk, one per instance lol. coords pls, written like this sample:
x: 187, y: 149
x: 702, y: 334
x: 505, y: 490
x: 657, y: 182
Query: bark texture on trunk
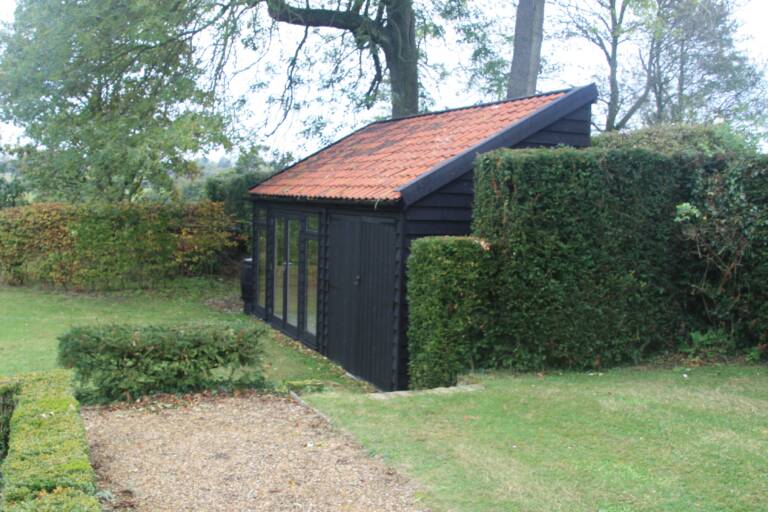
x: 402, y: 56
x: 526, y: 55
x: 394, y: 34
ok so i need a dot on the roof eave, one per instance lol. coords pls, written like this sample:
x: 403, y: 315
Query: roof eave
x: 376, y: 203
x: 450, y: 169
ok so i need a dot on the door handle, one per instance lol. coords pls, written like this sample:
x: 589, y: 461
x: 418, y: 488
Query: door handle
x: 356, y: 280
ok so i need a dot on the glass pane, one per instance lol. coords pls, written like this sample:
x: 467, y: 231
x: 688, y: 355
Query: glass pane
x: 261, y: 283
x: 312, y: 255
x: 261, y: 215
x: 279, y: 266
x: 293, y: 272
x: 313, y: 223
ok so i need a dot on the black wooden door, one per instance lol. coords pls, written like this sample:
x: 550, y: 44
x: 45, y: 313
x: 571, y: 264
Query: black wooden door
x: 361, y: 298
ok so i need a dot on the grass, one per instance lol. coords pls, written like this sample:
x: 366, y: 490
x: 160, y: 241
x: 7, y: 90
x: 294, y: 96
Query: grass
x: 32, y: 319
x: 624, y: 440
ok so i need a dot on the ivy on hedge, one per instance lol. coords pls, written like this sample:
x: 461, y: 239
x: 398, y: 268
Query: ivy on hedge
x: 124, y: 362
x: 110, y: 246
x: 47, y: 466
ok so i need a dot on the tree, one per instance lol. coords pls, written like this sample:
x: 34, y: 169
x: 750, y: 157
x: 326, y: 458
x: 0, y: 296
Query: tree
x: 611, y: 25
x: 107, y: 117
x: 669, y: 61
x: 11, y: 192
x: 387, y: 26
x: 526, y: 55
x: 697, y: 75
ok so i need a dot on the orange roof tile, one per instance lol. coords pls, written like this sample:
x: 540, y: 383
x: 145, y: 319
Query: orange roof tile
x: 373, y: 162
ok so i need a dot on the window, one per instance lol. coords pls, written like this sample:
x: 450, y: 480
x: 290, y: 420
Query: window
x: 293, y: 273
x: 279, y: 267
x: 313, y: 223
x: 261, y: 267
x: 295, y: 249
x: 311, y: 286
x: 260, y: 256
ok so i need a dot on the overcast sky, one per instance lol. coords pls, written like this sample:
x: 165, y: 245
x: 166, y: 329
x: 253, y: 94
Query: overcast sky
x: 752, y: 37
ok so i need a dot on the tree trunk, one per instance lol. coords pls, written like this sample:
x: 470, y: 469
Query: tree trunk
x: 526, y: 55
x: 613, y: 65
x: 402, y: 57
x: 396, y: 37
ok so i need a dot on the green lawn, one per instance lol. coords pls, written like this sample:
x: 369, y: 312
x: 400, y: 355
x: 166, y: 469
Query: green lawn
x: 31, y: 320
x: 626, y: 440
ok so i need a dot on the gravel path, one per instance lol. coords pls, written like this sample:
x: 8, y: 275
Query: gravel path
x: 248, y: 453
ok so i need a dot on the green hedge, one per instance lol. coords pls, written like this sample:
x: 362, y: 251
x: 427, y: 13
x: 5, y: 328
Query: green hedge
x: 726, y: 225
x: 47, y: 466
x: 448, y: 297
x: 7, y: 403
x: 110, y: 246
x: 585, y: 269
x: 125, y: 362
x: 590, y: 274
x: 724, y: 222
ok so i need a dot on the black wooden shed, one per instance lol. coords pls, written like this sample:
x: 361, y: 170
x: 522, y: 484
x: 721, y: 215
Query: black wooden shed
x: 332, y: 232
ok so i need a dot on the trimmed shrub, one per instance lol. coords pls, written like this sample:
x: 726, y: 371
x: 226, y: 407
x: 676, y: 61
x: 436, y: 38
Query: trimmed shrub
x: 724, y: 221
x: 7, y: 403
x: 117, y: 362
x: 47, y: 466
x: 110, y: 246
x: 449, y: 302
x: 58, y: 500
x: 589, y: 271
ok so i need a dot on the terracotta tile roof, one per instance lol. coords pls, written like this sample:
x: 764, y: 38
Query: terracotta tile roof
x: 373, y: 162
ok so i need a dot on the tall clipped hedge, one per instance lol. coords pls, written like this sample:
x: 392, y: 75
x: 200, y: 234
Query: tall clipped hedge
x: 724, y: 223
x: 649, y: 240
x: 590, y: 272
x: 449, y: 281
x: 110, y: 246
x: 582, y: 270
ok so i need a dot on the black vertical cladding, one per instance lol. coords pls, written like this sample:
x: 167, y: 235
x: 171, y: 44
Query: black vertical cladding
x: 322, y: 301
x: 377, y: 301
x: 362, y: 298
x: 341, y: 298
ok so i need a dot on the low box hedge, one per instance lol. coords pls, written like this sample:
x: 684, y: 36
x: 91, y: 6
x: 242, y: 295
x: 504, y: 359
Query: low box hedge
x: 47, y: 466
x: 124, y: 362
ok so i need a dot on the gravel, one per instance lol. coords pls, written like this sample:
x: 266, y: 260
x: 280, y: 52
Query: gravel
x: 245, y: 453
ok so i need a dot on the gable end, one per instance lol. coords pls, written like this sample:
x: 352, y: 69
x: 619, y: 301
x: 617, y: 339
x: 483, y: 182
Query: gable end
x: 530, y: 126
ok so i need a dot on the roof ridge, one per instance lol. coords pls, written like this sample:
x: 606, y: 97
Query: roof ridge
x: 467, y: 107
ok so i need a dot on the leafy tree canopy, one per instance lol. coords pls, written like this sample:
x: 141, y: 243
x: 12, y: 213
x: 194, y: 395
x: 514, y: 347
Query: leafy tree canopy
x: 107, y: 117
